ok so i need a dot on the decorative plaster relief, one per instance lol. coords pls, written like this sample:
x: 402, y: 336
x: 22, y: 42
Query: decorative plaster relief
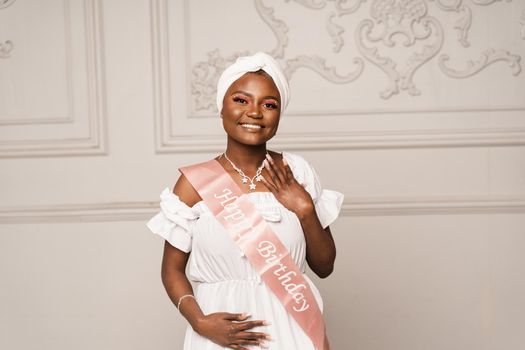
x: 7, y: 46
x: 278, y: 27
x: 487, y: 2
x: 353, y: 7
x: 311, y: 3
x: 205, y: 76
x: 487, y: 58
x: 318, y: 64
x: 335, y: 31
x: 464, y: 23
x: 204, y: 82
x: 5, y: 3
x: 522, y: 22
x: 5, y: 49
x: 374, y: 37
x: 406, y: 18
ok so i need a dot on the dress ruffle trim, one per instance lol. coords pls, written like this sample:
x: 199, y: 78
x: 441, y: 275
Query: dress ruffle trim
x: 328, y: 205
x: 174, y: 221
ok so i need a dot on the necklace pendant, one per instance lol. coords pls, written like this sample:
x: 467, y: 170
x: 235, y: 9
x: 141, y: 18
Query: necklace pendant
x: 245, y: 179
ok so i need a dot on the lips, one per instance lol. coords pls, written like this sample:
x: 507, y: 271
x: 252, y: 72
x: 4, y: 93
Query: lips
x: 251, y: 126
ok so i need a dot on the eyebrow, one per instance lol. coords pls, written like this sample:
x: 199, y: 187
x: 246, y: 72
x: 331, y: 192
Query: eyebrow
x: 250, y: 95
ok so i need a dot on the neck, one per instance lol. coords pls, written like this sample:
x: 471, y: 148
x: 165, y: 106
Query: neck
x: 246, y: 157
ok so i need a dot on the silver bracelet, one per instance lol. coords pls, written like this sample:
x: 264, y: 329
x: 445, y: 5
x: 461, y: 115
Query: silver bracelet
x: 182, y: 297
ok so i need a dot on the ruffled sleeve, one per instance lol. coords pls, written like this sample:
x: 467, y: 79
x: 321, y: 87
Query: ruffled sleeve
x: 327, y: 202
x: 174, y: 222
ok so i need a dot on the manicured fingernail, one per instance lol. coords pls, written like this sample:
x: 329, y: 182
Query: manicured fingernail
x: 264, y: 344
x: 269, y: 157
x: 266, y: 323
x: 285, y: 162
x: 266, y: 163
x: 268, y: 337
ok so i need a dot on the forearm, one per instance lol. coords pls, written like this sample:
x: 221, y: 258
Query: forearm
x: 320, y: 247
x: 177, y: 285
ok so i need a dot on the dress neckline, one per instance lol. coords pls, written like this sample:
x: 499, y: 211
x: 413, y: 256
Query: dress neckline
x: 268, y: 194
x: 261, y: 193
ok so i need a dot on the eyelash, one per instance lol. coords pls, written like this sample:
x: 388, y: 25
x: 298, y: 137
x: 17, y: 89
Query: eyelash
x: 272, y: 105
x: 239, y: 99
x: 243, y: 101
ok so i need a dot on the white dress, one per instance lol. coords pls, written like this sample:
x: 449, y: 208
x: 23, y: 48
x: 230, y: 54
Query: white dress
x: 223, y: 278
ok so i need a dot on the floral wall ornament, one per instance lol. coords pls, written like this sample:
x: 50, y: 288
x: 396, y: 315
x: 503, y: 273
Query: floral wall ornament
x: 318, y: 65
x: 522, y: 22
x: 205, y: 76
x: 5, y: 3
x: 407, y: 19
x: 335, y: 32
x: 311, y: 3
x: 278, y: 27
x: 397, y: 36
x: 464, y: 23
x: 487, y: 58
x: 487, y: 2
x: 449, y: 5
x: 5, y: 49
x: 345, y: 10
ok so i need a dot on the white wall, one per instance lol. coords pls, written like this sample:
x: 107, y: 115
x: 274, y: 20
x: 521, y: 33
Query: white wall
x: 102, y: 101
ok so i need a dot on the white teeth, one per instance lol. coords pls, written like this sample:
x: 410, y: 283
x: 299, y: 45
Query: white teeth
x: 251, y: 126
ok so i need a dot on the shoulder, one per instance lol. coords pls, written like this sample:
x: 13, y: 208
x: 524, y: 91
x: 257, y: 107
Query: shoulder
x: 185, y: 190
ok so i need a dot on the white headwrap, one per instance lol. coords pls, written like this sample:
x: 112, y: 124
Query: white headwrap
x: 253, y: 63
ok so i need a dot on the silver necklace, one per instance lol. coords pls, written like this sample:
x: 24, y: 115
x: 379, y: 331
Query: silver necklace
x: 245, y: 178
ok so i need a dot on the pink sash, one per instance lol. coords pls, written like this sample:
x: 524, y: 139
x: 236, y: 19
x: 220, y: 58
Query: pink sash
x: 260, y: 244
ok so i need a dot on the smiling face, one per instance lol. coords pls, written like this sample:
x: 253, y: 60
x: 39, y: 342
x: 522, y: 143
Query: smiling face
x: 251, y: 109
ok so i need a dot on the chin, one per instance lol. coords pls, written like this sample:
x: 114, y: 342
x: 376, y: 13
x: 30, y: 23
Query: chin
x: 248, y: 138
x: 252, y: 141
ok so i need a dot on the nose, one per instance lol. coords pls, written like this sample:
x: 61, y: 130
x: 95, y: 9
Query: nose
x: 254, y: 112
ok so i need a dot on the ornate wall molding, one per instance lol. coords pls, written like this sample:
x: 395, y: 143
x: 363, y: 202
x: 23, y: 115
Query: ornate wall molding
x: 278, y: 27
x: 388, y: 18
x: 141, y: 211
x: 414, y: 25
x: 6, y: 3
x: 95, y: 142
x: 522, y: 22
x: 336, y: 32
x: 316, y: 141
x: 345, y: 7
x: 204, y: 74
x: 5, y: 49
x: 68, y: 118
x: 7, y: 46
x: 487, y: 58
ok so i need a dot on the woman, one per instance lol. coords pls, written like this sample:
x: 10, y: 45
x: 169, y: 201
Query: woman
x: 233, y: 307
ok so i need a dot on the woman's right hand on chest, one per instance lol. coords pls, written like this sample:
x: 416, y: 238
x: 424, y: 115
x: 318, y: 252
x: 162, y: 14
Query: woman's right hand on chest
x: 232, y: 331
